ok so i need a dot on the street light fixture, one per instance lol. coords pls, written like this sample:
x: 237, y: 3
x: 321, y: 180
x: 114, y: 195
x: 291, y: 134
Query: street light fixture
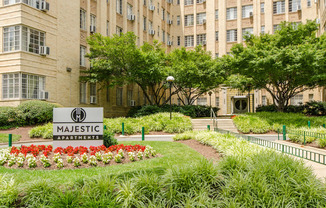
x: 170, y: 80
x: 210, y: 98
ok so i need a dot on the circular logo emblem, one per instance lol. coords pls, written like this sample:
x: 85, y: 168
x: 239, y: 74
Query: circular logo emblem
x: 78, y: 115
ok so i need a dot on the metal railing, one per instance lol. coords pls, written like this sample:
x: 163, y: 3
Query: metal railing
x: 214, y: 118
x: 287, y: 149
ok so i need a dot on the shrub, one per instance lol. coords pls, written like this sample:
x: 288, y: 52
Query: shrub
x: 287, y: 109
x: 315, y: 108
x: 45, y: 131
x: 108, y: 139
x: 188, y: 110
x: 35, y: 112
x: 7, y: 116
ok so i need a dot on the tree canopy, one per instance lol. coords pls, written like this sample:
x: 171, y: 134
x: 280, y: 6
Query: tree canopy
x: 285, y: 63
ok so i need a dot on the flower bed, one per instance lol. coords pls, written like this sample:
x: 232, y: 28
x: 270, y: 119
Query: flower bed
x: 44, y: 157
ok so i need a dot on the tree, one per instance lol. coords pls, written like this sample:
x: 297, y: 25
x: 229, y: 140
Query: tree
x: 117, y: 61
x: 194, y: 73
x: 287, y: 63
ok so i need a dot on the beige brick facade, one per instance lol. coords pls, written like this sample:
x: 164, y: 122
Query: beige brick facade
x: 64, y: 36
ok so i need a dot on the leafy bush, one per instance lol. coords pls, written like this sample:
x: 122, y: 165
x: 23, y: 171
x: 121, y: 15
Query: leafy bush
x: 287, y: 109
x: 156, y: 122
x: 266, y: 108
x: 315, y: 108
x: 7, y: 116
x: 263, y: 122
x: 188, y: 110
x: 321, y: 143
x: 108, y: 139
x: 8, y: 190
x: 45, y: 131
x: 35, y: 112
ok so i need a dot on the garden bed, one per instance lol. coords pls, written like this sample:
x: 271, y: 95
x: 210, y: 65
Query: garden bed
x: 44, y: 157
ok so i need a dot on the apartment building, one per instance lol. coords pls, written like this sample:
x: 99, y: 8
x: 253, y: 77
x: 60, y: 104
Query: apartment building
x: 44, y: 43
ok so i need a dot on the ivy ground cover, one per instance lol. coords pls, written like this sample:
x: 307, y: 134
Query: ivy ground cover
x: 156, y: 122
x: 263, y: 122
x: 44, y: 157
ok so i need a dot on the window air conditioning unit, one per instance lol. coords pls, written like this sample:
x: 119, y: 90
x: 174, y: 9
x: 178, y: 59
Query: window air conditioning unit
x: 204, y: 21
x: 251, y: 14
x: 170, y: 22
x: 92, y: 99
x: 132, y: 103
x: 44, y: 50
x: 44, y: 95
x: 318, y: 21
x: 170, y: 1
x: 92, y: 29
x: 169, y: 43
x: 45, y: 6
x: 152, y: 8
x: 131, y: 17
x: 204, y: 42
x: 299, y: 8
x: 152, y: 32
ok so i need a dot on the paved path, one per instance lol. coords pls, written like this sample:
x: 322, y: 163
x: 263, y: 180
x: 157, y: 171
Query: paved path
x: 225, y: 124
x: 166, y: 138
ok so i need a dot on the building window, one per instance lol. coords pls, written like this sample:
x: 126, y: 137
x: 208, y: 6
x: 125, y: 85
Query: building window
x: 247, y: 11
x: 189, y: 2
x: 189, y: 41
x: 119, y: 6
x: 107, y: 28
x: 158, y: 31
x: 308, y: 3
x: 168, y: 16
x: 150, y: 25
x: 189, y: 20
x: 24, y: 86
x: 32, y: 3
x: 216, y: 35
x: 262, y: 29
x: 201, y: 39
x: 263, y: 100
x: 144, y: 23
x: 231, y: 13
x: 83, y: 92
x: 129, y: 9
x: 216, y: 55
x: 276, y: 28
x: 163, y: 36
x: 17, y: 38
x: 92, y: 92
x: 145, y: 2
x: 93, y: 20
x: 118, y: 30
x: 178, y: 40
x: 217, y: 101
x: 178, y: 2
x: 311, y: 97
x: 82, y: 19
x: 163, y: 14
x: 82, y: 56
x: 279, y: 7
x: 119, y: 96
x: 178, y: 20
x: 294, y: 5
x: 231, y: 35
x: 202, y: 101
x: 200, y: 1
x: 262, y: 8
x: 216, y: 14
x: 297, y: 100
x: 158, y: 8
x: 129, y: 97
x: 246, y: 32
x: 201, y: 18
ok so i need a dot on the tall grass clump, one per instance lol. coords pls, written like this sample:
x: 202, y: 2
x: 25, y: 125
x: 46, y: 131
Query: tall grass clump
x: 8, y: 190
x: 308, y: 139
x: 258, y: 177
x: 156, y: 122
x: 263, y: 122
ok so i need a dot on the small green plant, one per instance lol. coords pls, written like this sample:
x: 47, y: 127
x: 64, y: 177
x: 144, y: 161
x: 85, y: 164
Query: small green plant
x: 69, y: 159
x: 140, y: 155
x: 117, y: 158
x: 93, y: 160
x: 131, y: 156
x: 45, y: 161
x: 106, y: 158
x: 321, y: 143
x: 76, y: 162
x: 98, y: 156
x: 84, y: 158
x: 60, y: 163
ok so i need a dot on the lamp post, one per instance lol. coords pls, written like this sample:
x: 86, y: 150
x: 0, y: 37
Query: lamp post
x: 170, y: 80
x: 210, y: 98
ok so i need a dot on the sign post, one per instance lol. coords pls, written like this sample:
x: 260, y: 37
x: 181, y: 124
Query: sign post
x: 77, y: 127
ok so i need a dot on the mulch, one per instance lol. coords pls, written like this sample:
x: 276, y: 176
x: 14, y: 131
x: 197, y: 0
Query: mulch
x: 207, y: 151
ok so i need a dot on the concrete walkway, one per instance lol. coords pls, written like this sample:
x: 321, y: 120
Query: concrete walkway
x: 225, y: 124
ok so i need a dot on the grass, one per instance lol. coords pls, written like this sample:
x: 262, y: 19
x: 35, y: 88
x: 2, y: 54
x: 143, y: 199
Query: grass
x: 156, y: 122
x: 5, y: 138
x: 264, y: 122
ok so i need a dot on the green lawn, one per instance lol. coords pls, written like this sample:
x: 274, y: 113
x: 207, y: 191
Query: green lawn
x: 5, y: 137
x: 174, y: 155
